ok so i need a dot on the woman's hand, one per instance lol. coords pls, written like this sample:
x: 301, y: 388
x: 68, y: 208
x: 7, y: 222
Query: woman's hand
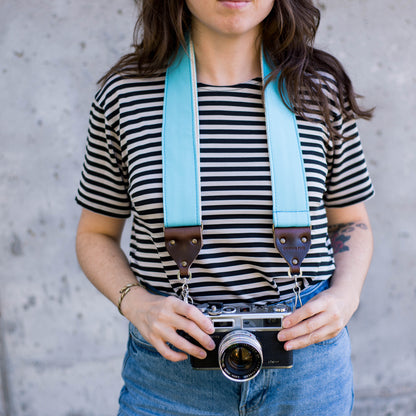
x: 159, y: 318
x: 156, y: 317
x: 325, y: 315
x: 322, y: 318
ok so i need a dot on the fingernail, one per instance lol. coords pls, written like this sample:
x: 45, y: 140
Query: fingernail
x: 286, y: 323
x: 281, y: 337
x: 288, y: 347
x: 202, y: 355
x: 211, y: 345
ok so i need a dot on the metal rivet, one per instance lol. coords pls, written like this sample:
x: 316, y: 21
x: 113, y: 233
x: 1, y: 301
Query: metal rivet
x: 184, y: 263
x: 172, y: 242
x: 304, y: 240
x: 295, y: 261
x: 194, y: 241
x: 283, y: 240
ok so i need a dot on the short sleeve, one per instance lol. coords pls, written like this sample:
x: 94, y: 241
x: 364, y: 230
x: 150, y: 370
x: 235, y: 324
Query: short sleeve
x: 103, y: 187
x: 348, y: 180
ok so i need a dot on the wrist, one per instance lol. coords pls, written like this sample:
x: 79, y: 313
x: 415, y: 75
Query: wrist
x: 347, y: 295
x: 127, y: 297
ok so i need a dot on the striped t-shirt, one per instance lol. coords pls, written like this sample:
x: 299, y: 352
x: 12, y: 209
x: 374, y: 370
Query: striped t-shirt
x: 122, y: 176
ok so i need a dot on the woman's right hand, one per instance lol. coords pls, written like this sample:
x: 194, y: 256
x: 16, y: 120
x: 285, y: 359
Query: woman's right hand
x: 158, y: 319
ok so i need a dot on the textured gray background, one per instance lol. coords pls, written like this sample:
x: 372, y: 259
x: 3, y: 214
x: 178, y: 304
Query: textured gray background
x: 61, y: 343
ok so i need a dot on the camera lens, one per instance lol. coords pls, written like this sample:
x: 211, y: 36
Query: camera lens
x: 240, y: 356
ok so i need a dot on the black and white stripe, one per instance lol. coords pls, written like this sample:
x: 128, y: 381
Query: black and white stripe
x: 123, y: 174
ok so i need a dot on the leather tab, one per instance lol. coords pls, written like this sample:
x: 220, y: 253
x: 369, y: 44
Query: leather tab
x: 184, y: 245
x: 293, y: 244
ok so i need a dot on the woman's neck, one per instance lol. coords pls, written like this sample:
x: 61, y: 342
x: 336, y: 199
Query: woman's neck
x: 226, y: 61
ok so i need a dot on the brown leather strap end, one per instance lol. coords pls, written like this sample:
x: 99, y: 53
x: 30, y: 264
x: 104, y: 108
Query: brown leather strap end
x: 293, y: 244
x: 184, y: 245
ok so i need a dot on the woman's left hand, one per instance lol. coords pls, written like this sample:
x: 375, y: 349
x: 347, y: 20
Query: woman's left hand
x: 325, y: 315
x: 322, y: 318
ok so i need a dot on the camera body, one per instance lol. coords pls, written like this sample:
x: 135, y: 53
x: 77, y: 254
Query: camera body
x: 246, y: 339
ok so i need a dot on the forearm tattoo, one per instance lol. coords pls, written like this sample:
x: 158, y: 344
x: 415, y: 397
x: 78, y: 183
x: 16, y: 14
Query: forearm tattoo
x: 340, y: 234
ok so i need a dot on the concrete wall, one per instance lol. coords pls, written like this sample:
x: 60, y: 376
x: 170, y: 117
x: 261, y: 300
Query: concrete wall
x: 61, y: 343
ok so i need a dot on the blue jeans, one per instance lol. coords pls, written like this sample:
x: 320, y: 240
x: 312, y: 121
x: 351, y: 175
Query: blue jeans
x: 318, y: 384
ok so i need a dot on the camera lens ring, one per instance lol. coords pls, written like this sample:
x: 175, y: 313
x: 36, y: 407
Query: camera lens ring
x: 240, y: 356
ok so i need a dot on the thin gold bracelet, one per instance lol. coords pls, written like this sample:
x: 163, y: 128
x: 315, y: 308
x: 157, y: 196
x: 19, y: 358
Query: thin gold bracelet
x: 123, y: 292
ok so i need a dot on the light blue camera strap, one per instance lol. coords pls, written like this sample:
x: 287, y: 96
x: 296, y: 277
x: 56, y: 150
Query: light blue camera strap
x: 181, y: 170
x: 180, y: 144
x: 290, y: 194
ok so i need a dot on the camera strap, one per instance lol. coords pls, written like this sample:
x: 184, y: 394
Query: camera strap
x: 181, y: 170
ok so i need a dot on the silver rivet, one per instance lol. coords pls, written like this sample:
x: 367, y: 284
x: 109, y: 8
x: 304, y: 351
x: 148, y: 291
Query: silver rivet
x: 184, y: 263
x: 194, y: 241
x: 304, y: 240
x: 283, y: 240
x: 172, y: 242
x: 295, y: 261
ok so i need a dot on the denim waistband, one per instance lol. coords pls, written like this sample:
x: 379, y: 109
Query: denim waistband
x: 305, y: 294
x: 151, y: 289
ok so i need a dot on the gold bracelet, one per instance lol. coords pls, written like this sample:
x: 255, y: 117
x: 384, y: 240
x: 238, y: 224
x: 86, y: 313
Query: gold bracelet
x: 123, y: 292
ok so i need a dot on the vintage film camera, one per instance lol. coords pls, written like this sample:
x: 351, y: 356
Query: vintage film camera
x: 246, y: 340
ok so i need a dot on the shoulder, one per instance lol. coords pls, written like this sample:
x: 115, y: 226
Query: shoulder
x: 123, y: 85
x: 329, y: 85
x: 338, y: 102
x: 323, y: 92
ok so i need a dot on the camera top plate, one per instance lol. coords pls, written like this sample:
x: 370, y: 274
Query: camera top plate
x: 249, y: 316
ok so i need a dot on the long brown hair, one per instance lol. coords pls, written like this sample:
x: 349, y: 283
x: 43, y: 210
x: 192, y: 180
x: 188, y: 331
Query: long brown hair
x: 288, y: 35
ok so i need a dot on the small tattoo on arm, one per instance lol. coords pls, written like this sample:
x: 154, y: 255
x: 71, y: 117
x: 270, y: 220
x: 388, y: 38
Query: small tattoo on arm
x: 339, y: 235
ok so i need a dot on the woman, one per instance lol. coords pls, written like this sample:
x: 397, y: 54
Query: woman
x: 238, y: 262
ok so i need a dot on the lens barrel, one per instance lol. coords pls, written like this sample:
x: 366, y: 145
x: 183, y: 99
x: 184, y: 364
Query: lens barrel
x: 240, y: 355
